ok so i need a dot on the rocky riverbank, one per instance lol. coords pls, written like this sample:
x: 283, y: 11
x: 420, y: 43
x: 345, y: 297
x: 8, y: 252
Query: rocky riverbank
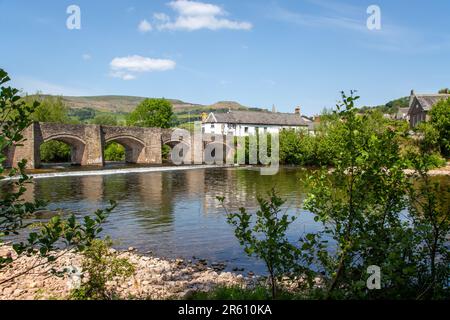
x: 443, y: 171
x: 154, y: 278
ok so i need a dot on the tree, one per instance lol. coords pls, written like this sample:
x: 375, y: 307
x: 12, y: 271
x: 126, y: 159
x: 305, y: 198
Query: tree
x: 429, y: 207
x: 114, y: 152
x: 15, y: 117
x: 359, y: 204
x: 50, y: 109
x: 105, y: 119
x: 15, y: 212
x: 266, y: 236
x: 444, y: 91
x: 440, y: 121
x: 156, y: 113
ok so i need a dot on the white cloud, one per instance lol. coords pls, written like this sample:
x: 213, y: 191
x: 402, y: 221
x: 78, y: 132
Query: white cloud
x: 145, y: 26
x: 86, y: 56
x: 193, y: 15
x: 161, y: 17
x: 126, y: 67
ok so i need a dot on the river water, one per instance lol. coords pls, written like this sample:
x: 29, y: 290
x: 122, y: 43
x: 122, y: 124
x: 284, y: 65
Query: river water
x: 176, y: 214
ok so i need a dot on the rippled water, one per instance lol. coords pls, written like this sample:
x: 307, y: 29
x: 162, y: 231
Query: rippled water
x: 176, y: 214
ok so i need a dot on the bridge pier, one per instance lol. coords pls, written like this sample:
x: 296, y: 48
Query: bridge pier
x: 93, y: 147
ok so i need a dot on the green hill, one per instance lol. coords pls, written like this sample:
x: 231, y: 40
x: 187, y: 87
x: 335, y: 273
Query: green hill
x: 86, y: 108
x: 125, y: 104
x: 391, y: 107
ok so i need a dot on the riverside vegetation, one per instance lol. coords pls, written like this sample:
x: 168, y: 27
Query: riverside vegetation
x: 360, y: 203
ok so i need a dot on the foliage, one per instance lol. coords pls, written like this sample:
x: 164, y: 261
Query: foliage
x: 440, y: 121
x: 391, y: 107
x: 114, y: 152
x: 105, y: 119
x: 47, y: 237
x: 429, y: 207
x: 55, y: 151
x: 15, y: 117
x: 297, y: 148
x: 50, y: 109
x: 165, y: 152
x: 43, y: 238
x: 444, y: 91
x: 359, y: 205
x: 82, y: 114
x: 266, y: 236
x: 156, y: 113
x: 101, y: 265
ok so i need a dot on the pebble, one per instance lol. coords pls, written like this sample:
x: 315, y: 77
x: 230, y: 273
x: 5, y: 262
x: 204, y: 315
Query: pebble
x: 155, y: 278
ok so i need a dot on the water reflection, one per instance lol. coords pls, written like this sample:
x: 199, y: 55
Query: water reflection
x: 176, y: 214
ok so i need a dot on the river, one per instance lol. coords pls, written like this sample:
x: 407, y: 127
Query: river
x: 175, y: 214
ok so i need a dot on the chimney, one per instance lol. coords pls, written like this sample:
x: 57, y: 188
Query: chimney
x: 298, y: 110
x: 411, y: 98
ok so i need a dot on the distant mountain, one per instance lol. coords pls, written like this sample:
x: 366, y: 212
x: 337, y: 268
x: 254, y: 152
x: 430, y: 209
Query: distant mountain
x: 128, y: 103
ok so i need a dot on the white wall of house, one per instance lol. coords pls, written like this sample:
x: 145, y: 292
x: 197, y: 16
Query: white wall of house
x: 242, y: 130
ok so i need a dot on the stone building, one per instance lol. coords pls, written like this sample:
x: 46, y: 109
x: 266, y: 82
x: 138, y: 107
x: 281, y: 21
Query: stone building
x: 421, y: 104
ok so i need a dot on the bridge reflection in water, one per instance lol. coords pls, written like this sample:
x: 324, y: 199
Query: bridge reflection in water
x: 173, y: 214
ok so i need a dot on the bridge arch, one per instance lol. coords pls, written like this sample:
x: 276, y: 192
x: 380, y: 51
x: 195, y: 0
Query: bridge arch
x: 183, y: 147
x: 133, y: 146
x: 76, y: 144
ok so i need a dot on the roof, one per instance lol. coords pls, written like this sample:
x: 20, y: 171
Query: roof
x: 427, y: 101
x: 261, y: 118
x: 403, y: 110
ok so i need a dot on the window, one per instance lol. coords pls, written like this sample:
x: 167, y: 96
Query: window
x: 246, y: 129
x: 212, y: 126
x: 265, y: 129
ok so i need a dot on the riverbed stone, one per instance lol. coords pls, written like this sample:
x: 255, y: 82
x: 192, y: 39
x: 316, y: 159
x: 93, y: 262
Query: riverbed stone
x: 155, y: 278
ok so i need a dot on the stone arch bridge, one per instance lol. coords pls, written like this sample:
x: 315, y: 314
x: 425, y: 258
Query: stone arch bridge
x: 87, y: 142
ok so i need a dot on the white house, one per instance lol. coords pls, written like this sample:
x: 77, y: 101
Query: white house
x: 244, y: 123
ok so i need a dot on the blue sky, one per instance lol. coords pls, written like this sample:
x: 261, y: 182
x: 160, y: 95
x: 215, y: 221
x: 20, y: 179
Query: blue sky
x: 256, y: 52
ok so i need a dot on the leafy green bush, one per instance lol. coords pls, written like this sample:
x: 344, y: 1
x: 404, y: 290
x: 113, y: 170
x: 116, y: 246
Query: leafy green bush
x: 440, y: 120
x: 101, y: 265
x: 43, y: 238
x: 266, y: 236
x: 155, y: 113
x: 105, y: 119
x: 55, y: 151
x: 114, y: 152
